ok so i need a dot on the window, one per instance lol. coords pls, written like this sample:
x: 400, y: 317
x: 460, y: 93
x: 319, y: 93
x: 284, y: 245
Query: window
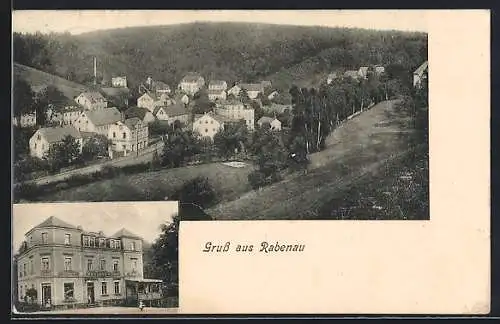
x: 44, y: 238
x: 90, y: 264
x: 86, y: 241
x: 124, y: 135
x: 206, y: 130
x: 92, y: 242
x: 132, y: 246
x: 117, y: 287
x: 35, y: 145
x: 45, y: 264
x: 67, y: 239
x: 21, y: 291
x: 211, y: 122
x: 134, y: 264
x: 132, y: 147
x: 206, y: 121
x: 69, y: 289
x: 114, y: 135
x: 103, y: 264
x: 213, y: 129
x: 104, y: 288
x: 101, y: 242
x: 67, y: 264
x: 38, y: 137
x: 32, y: 268
x: 25, y: 273
x: 115, y: 265
x: 124, y: 147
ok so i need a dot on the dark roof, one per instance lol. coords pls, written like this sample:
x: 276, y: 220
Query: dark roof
x: 136, y: 112
x: 421, y: 69
x: 115, y: 92
x: 217, y: 82
x: 57, y: 134
x: 126, y: 233
x: 104, y: 116
x: 93, y: 96
x: 131, y: 122
x: 251, y: 86
x: 191, y: 77
x: 53, y: 221
x: 265, y: 119
x: 176, y: 109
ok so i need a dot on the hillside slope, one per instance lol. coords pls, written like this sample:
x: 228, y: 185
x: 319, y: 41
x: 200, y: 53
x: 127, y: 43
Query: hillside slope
x: 37, y: 78
x: 230, y: 51
x: 370, y: 147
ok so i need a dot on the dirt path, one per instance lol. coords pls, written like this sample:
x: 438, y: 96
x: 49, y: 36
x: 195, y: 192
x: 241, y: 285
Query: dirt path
x: 360, y: 146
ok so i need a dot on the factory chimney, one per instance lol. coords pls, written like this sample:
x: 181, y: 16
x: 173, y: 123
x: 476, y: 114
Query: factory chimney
x: 95, y: 70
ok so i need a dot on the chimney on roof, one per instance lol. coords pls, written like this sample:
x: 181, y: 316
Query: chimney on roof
x: 79, y: 227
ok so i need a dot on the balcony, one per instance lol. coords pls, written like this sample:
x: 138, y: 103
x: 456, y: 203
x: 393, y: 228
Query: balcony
x: 68, y: 274
x: 116, y: 274
x: 133, y: 274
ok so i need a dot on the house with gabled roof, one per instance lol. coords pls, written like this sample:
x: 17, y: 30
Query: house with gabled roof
x: 142, y: 113
x: 91, y: 100
x: 98, y: 121
x: 420, y: 74
x: 172, y: 113
x: 219, y: 85
x: 191, y: 83
x: 363, y: 72
x: 127, y: 136
x: 351, y: 74
x: 215, y: 95
x: 44, y: 138
x: 68, y: 266
x: 273, y: 123
x: 209, y: 124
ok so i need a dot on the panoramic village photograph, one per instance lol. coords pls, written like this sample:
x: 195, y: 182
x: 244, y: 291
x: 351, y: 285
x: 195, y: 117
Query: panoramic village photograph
x: 92, y: 258
x: 236, y: 120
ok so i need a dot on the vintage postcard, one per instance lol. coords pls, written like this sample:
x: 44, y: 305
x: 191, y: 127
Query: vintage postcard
x: 313, y: 155
x: 94, y: 258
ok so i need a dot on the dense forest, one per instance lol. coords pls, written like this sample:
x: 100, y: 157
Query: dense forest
x: 229, y: 51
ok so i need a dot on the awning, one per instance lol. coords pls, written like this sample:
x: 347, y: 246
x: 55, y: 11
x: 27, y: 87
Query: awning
x: 145, y: 280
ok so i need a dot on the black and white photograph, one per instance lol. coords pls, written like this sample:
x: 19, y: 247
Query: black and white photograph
x: 241, y: 116
x: 95, y: 258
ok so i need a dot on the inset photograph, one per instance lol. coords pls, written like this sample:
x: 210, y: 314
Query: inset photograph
x: 95, y: 258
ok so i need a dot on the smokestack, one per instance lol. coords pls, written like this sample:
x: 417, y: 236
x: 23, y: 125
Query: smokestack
x: 95, y: 70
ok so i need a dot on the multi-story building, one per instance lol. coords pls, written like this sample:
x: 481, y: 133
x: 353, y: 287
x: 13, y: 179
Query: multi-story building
x: 128, y: 136
x: 91, y: 100
x: 44, y: 138
x: 119, y: 82
x: 236, y: 110
x: 192, y: 83
x: 63, y: 265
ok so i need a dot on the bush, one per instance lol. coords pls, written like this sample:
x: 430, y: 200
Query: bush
x: 256, y: 179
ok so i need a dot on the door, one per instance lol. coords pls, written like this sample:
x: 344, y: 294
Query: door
x: 46, y: 295
x: 90, y: 292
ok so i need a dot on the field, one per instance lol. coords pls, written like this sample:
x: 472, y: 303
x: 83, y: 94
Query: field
x: 229, y: 182
x: 37, y: 78
x: 367, y: 149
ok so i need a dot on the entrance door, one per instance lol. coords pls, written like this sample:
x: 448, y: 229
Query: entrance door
x: 46, y: 295
x: 90, y: 292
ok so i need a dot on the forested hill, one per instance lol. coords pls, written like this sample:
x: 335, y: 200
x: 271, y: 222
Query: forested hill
x: 229, y: 51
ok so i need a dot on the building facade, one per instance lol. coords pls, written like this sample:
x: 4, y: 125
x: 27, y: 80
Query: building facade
x: 119, y: 82
x: 235, y: 110
x: 127, y: 137
x: 44, y: 138
x: 62, y: 265
x: 192, y: 83
x: 92, y: 100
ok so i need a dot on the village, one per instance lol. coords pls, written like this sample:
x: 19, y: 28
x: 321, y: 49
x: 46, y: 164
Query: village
x: 127, y: 133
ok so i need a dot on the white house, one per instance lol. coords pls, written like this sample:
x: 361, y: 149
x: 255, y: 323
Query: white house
x: 214, y: 95
x: 332, y: 76
x: 25, y: 120
x: 273, y: 95
x: 235, y: 110
x: 92, y: 100
x: 379, y: 69
x: 420, y: 74
x: 274, y: 123
x: 253, y: 89
x: 44, y: 138
x: 207, y: 125
x: 363, y: 72
x: 218, y: 85
x: 119, y: 82
x: 130, y: 135
x: 98, y: 121
x: 192, y: 83
x: 172, y: 113
x: 351, y: 74
x: 70, y: 115
x: 150, y: 101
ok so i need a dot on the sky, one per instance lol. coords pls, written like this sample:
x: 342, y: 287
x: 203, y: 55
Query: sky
x: 141, y: 218
x: 77, y: 22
